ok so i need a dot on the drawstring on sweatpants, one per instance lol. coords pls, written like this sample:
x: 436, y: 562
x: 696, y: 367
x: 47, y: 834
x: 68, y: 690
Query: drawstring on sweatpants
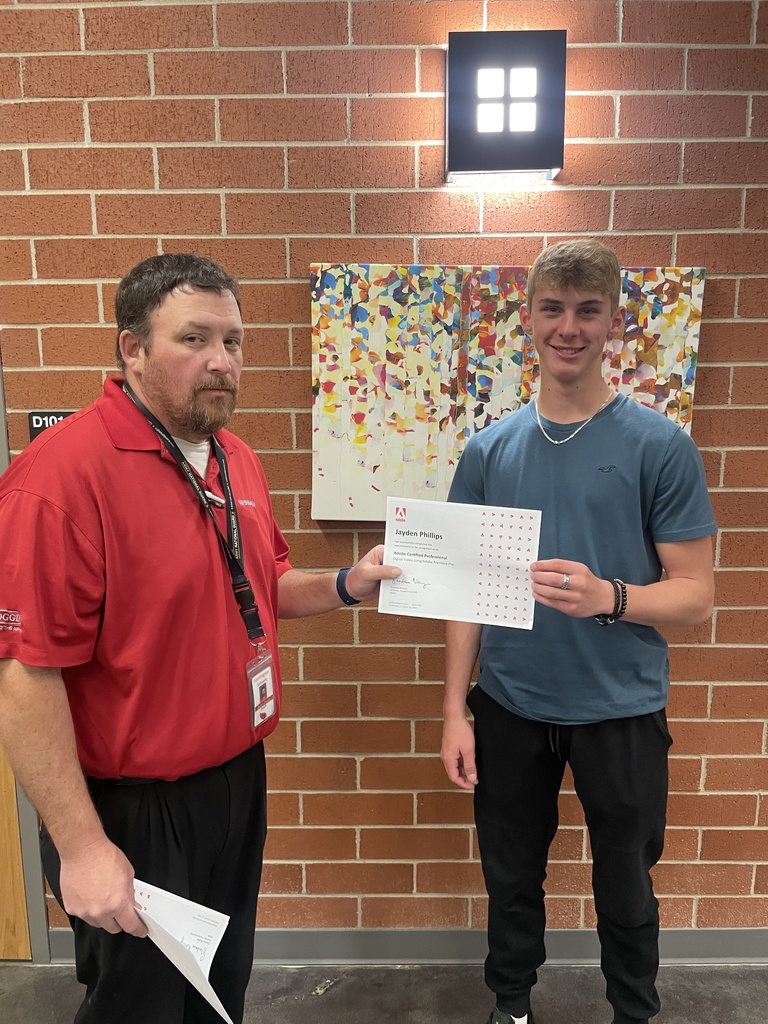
x: 554, y: 740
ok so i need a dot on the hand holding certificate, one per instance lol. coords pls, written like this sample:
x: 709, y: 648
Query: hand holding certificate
x: 468, y: 563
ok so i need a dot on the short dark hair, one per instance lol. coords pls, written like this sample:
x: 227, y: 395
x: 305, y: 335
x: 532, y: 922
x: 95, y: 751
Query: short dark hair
x: 143, y: 289
x: 582, y: 263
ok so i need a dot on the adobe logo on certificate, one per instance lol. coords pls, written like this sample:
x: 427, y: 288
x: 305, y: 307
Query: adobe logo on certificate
x: 469, y: 563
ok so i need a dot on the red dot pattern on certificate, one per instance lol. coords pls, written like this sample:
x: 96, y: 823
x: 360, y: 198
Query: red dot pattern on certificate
x: 508, y: 544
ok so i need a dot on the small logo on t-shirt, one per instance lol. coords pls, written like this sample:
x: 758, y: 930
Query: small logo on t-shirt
x: 10, y: 620
x: 606, y: 469
x: 246, y: 501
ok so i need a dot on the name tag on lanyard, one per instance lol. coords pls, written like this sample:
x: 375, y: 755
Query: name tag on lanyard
x: 261, y: 687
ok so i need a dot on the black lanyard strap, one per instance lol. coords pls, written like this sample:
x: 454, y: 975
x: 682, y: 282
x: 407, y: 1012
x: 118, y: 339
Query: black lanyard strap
x: 231, y: 544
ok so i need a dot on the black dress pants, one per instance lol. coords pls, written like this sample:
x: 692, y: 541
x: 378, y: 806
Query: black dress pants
x: 201, y: 837
x: 620, y: 773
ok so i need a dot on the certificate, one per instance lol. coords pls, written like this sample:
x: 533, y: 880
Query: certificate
x: 468, y: 563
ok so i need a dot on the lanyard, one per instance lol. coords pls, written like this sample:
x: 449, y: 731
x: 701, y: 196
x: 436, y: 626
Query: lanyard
x: 231, y: 544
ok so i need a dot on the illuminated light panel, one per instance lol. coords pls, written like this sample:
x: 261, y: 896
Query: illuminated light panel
x: 522, y: 117
x: 490, y: 117
x: 490, y: 83
x: 523, y: 82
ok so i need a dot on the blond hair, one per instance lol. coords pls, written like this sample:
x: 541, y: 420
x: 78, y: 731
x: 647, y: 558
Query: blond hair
x: 582, y: 263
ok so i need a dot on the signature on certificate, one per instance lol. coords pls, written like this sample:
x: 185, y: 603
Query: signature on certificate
x: 412, y: 581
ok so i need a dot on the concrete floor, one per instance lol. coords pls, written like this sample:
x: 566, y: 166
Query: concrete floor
x: 449, y: 994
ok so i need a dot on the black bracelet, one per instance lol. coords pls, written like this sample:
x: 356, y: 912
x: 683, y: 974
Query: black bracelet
x: 623, y: 603
x: 619, y: 599
x: 341, y: 587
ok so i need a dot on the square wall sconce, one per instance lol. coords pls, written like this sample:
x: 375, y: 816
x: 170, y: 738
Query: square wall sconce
x: 505, y: 102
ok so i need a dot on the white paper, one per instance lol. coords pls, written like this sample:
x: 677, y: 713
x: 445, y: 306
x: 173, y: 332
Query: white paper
x: 467, y: 563
x: 188, y: 933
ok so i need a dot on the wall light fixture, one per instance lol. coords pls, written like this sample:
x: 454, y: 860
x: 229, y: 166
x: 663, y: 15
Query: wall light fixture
x: 505, y: 102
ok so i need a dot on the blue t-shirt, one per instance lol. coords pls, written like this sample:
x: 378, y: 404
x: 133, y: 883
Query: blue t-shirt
x: 629, y: 480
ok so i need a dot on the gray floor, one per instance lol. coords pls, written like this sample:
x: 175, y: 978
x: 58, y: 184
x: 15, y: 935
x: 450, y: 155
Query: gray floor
x: 420, y: 995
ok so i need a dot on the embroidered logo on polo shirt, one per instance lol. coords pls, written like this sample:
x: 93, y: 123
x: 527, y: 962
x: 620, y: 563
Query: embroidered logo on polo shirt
x: 10, y: 620
x: 246, y: 501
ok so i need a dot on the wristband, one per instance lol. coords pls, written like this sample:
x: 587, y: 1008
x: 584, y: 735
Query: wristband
x: 619, y: 604
x: 341, y: 587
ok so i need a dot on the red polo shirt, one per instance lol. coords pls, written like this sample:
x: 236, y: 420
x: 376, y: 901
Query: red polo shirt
x: 112, y: 571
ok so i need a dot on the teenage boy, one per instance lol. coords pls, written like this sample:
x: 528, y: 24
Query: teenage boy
x: 625, y: 549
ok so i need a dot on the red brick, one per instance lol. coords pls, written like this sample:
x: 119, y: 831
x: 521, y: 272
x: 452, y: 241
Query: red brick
x: 358, y: 809
x: 677, y: 208
x: 681, y: 844
x: 743, y: 549
x: 16, y: 260
x: 719, y: 664
x: 732, y: 913
x: 384, y: 119
x: 761, y: 878
x: 324, y: 72
x: 78, y: 346
x: 281, y: 213
x: 741, y: 588
x: 283, y: 303
x: 282, y: 24
x: 11, y: 170
x: 284, y: 388
x: 412, y: 701
x: 287, y: 470
x: 624, y: 69
x: 589, y: 117
x: 753, y: 296
x: 372, y: 663
x: 756, y: 210
x: 676, y: 913
x: 19, y: 348
x: 717, y: 737
x: 712, y: 385
x: 448, y: 807
x: 33, y: 31
x: 759, y: 115
x: 720, y: 296
x: 319, y: 701
x: 742, y: 627
x: 431, y: 166
x: 431, y: 663
x: 442, y: 877
x: 647, y: 21
x: 417, y: 212
x: 171, y: 26
x: 355, y: 736
x: 220, y: 167
x: 244, y: 258
x: 637, y: 250
x: 359, y: 878
x: 41, y: 121
x: 713, y: 461
x: 684, y: 774
x: 711, y: 809
x: 90, y: 257
x: 589, y: 21
x: 566, y: 210
x: 283, y: 809
x: 734, y: 844
x: 10, y: 78
x: 740, y: 508
x: 281, y: 878
x: 737, y: 774
x: 694, y: 879
x: 304, y: 843
x: 762, y: 22
x: 404, y: 629
x: 479, y: 251
x: 317, y: 550
x: 283, y: 120
x: 262, y: 430
x: 218, y: 73
x: 152, y: 120
x: 444, y: 843
x: 432, y: 70
x: 65, y: 389
x: 84, y: 75
x: 733, y: 163
x: 409, y: 773
x: 283, y: 741
x: 414, y: 912
x: 351, y: 167
x: 355, y: 249
x: 682, y: 116
x: 91, y: 168
x: 311, y: 773
x: 737, y: 70
x: 166, y: 214
x: 416, y: 23
x: 729, y: 342
x: 620, y: 163
x: 307, y: 911
x: 562, y: 912
x: 687, y: 700
x: 731, y: 427
x: 749, y: 386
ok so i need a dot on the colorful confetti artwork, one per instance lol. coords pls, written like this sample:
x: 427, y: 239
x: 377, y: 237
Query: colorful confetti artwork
x: 409, y: 361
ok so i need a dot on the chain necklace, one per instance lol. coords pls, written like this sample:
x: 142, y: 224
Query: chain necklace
x: 581, y: 427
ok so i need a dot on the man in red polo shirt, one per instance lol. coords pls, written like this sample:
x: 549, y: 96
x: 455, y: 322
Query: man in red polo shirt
x: 139, y: 672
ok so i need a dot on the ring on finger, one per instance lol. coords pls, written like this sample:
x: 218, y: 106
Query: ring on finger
x: 566, y: 581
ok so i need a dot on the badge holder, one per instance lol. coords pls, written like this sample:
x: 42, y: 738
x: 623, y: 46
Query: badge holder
x: 261, y: 686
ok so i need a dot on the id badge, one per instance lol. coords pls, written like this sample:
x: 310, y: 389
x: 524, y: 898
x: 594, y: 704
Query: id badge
x: 261, y: 687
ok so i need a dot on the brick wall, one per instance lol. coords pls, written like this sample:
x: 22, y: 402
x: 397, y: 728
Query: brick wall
x: 272, y: 134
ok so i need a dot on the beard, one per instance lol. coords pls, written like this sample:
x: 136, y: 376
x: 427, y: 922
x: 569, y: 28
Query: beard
x: 196, y: 416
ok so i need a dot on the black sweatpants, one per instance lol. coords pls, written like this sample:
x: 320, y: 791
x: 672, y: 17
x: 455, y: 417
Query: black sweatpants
x: 620, y: 772
x: 201, y: 837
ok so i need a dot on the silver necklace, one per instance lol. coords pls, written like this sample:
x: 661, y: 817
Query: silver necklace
x: 581, y: 427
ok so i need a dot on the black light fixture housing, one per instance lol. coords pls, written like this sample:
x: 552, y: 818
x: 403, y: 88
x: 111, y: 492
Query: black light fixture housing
x: 505, y: 102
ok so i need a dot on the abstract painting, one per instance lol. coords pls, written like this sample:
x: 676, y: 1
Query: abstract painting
x: 409, y: 361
